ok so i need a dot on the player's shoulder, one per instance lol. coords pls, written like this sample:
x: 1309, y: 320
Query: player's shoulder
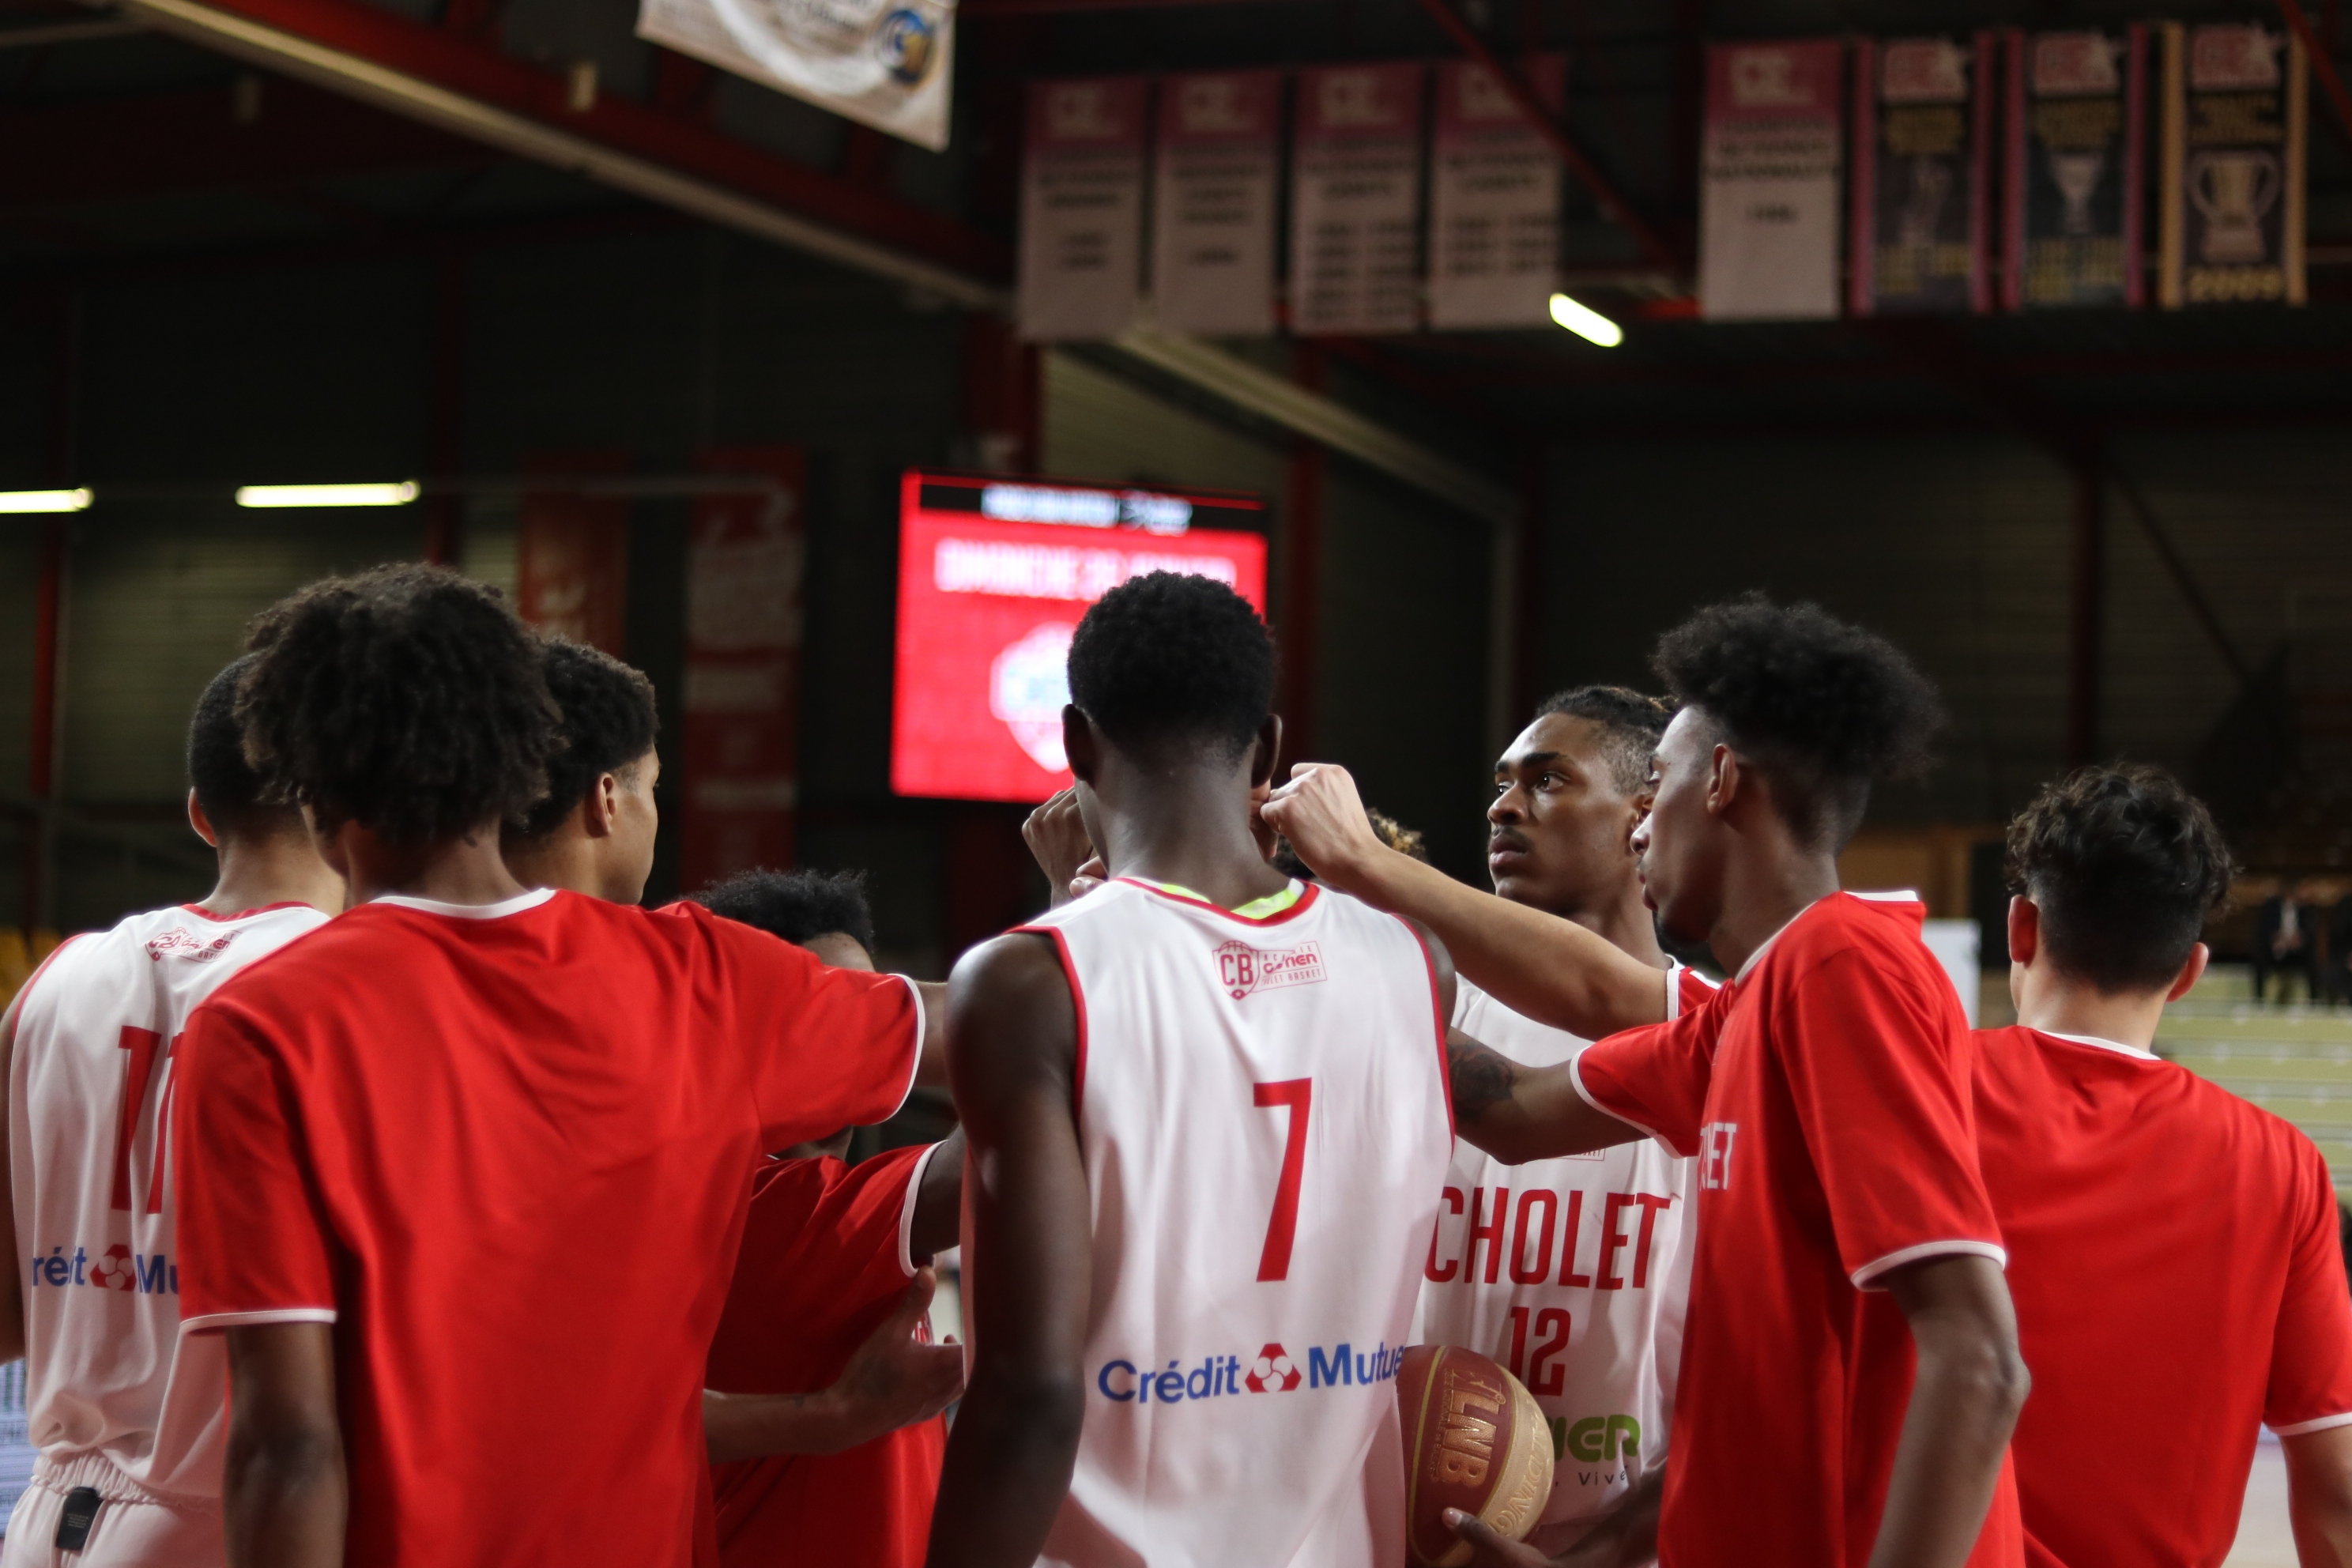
x: 1882, y: 930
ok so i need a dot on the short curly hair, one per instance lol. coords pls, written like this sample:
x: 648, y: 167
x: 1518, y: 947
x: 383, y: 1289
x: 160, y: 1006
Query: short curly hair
x: 610, y: 723
x: 798, y: 906
x: 1630, y: 723
x: 1819, y: 705
x: 2124, y: 865
x: 407, y: 698
x: 1168, y: 657
x: 235, y: 798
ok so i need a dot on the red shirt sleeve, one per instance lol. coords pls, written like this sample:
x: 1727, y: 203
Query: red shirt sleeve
x: 2311, y: 1349
x: 1655, y: 1077
x: 254, y: 1240
x: 1877, y: 1063
x: 827, y: 1048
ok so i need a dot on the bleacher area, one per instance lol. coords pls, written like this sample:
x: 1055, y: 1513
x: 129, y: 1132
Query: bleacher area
x: 2294, y: 1060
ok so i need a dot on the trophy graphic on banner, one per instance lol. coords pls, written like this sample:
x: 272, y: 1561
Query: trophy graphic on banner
x: 1923, y: 209
x: 2234, y: 191
x: 2076, y: 175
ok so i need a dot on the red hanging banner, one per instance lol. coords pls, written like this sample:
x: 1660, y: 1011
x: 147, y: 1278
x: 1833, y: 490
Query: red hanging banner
x: 744, y: 557
x: 572, y: 554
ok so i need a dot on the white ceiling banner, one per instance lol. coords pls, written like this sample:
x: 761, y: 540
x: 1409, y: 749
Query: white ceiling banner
x: 1355, y: 200
x: 884, y: 63
x: 1773, y: 158
x: 1214, y: 201
x: 1080, y: 269
x: 1494, y: 228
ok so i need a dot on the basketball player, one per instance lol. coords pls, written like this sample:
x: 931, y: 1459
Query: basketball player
x: 454, y: 1172
x: 1594, y: 1331
x: 1207, y: 1111
x: 126, y: 1413
x: 594, y: 834
x: 833, y: 1261
x: 1844, y: 1234
x: 2173, y: 1249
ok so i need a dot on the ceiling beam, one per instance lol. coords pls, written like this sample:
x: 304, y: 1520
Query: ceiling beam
x: 2322, y: 65
x: 469, y: 88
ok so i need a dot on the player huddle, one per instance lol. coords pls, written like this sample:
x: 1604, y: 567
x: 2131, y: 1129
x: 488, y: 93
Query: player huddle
x: 511, y: 1217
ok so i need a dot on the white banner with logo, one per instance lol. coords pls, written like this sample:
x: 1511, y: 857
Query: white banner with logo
x: 1773, y: 157
x: 1081, y: 265
x: 1493, y: 231
x: 1214, y: 200
x: 1355, y: 200
x: 884, y: 63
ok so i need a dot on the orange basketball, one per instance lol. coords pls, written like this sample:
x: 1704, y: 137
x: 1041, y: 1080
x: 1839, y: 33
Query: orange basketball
x: 1473, y: 1440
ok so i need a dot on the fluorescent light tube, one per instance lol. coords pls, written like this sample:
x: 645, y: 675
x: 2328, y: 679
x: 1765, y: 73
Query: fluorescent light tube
x: 399, y: 494
x: 44, y: 500
x: 1585, y: 323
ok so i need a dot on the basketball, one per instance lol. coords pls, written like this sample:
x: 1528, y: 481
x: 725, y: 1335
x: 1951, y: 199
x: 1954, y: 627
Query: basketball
x: 1474, y: 1440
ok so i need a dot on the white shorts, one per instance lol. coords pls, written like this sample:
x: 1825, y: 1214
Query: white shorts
x: 135, y: 1528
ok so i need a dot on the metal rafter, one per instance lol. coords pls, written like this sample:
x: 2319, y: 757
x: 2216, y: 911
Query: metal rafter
x: 2331, y: 82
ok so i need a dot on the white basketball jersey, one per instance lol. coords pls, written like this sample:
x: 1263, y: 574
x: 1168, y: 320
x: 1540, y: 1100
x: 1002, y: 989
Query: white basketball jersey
x: 1573, y: 1272
x: 1261, y: 1108
x: 89, y: 1089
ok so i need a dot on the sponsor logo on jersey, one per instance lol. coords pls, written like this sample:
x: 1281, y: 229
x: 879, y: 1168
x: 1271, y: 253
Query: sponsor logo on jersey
x: 116, y: 1269
x: 182, y: 942
x: 1271, y: 1371
x: 1242, y: 969
x: 1611, y: 1443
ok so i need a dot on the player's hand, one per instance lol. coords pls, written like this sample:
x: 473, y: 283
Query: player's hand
x: 1489, y: 1550
x: 1056, y: 835
x: 895, y: 1378
x: 1323, y: 817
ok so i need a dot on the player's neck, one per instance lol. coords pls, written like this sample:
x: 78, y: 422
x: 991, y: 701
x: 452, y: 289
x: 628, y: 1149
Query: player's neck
x: 272, y: 869
x: 2056, y: 1004
x: 1197, y: 840
x: 562, y: 858
x: 1624, y: 922
x: 467, y: 870
x: 1768, y: 882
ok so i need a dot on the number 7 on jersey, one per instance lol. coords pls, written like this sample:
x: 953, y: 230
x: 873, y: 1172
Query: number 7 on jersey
x: 1297, y: 1096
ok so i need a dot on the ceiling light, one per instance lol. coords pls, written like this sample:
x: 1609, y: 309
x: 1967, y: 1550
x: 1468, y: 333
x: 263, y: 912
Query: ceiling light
x: 44, y: 500
x: 399, y: 494
x: 1586, y: 323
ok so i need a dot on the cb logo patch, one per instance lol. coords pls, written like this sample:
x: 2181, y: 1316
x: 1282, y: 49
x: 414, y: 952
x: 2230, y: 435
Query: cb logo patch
x: 1272, y: 1372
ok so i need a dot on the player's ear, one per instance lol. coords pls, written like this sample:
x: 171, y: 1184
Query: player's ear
x: 1724, y: 779
x: 2025, y: 930
x: 2192, y: 971
x: 201, y: 822
x: 1265, y: 755
x: 1078, y: 741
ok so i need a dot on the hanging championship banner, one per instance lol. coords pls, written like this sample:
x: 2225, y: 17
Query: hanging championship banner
x: 572, y: 554
x: 2077, y: 121
x: 1493, y: 228
x: 744, y: 556
x: 1082, y: 209
x: 2234, y: 101
x: 1355, y: 200
x: 1922, y: 148
x: 1773, y: 154
x: 884, y: 63
x: 1213, y: 201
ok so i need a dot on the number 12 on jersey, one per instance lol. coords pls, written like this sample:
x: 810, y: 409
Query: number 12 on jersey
x: 1297, y: 1096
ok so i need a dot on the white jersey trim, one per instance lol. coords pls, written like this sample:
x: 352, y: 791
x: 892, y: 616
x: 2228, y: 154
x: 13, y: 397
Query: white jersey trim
x: 499, y: 910
x: 2297, y: 1429
x: 213, y: 1322
x: 1863, y: 1276
x: 906, y: 1211
x: 915, y: 1057
x: 2119, y: 1047
x: 1576, y: 1076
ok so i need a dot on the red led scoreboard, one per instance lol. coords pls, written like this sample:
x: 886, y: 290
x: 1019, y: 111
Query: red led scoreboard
x: 994, y: 574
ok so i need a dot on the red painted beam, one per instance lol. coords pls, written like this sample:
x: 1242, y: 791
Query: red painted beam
x: 1654, y: 244
x: 478, y: 71
x: 2323, y: 64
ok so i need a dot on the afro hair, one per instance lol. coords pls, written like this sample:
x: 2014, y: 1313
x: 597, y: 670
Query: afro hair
x: 235, y: 798
x: 798, y: 906
x: 408, y: 700
x: 2124, y: 865
x: 1820, y: 706
x: 610, y: 723
x: 1168, y: 657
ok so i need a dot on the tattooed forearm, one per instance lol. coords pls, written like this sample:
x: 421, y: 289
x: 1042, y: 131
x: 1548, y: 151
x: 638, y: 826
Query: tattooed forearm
x: 1482, y: 1078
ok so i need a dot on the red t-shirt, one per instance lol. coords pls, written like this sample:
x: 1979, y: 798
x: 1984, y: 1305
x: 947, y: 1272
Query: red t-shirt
x: 824, y: 1260
x: 502, y: 1150
x: 2174, y: 1257
x: 1825, y: 1092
